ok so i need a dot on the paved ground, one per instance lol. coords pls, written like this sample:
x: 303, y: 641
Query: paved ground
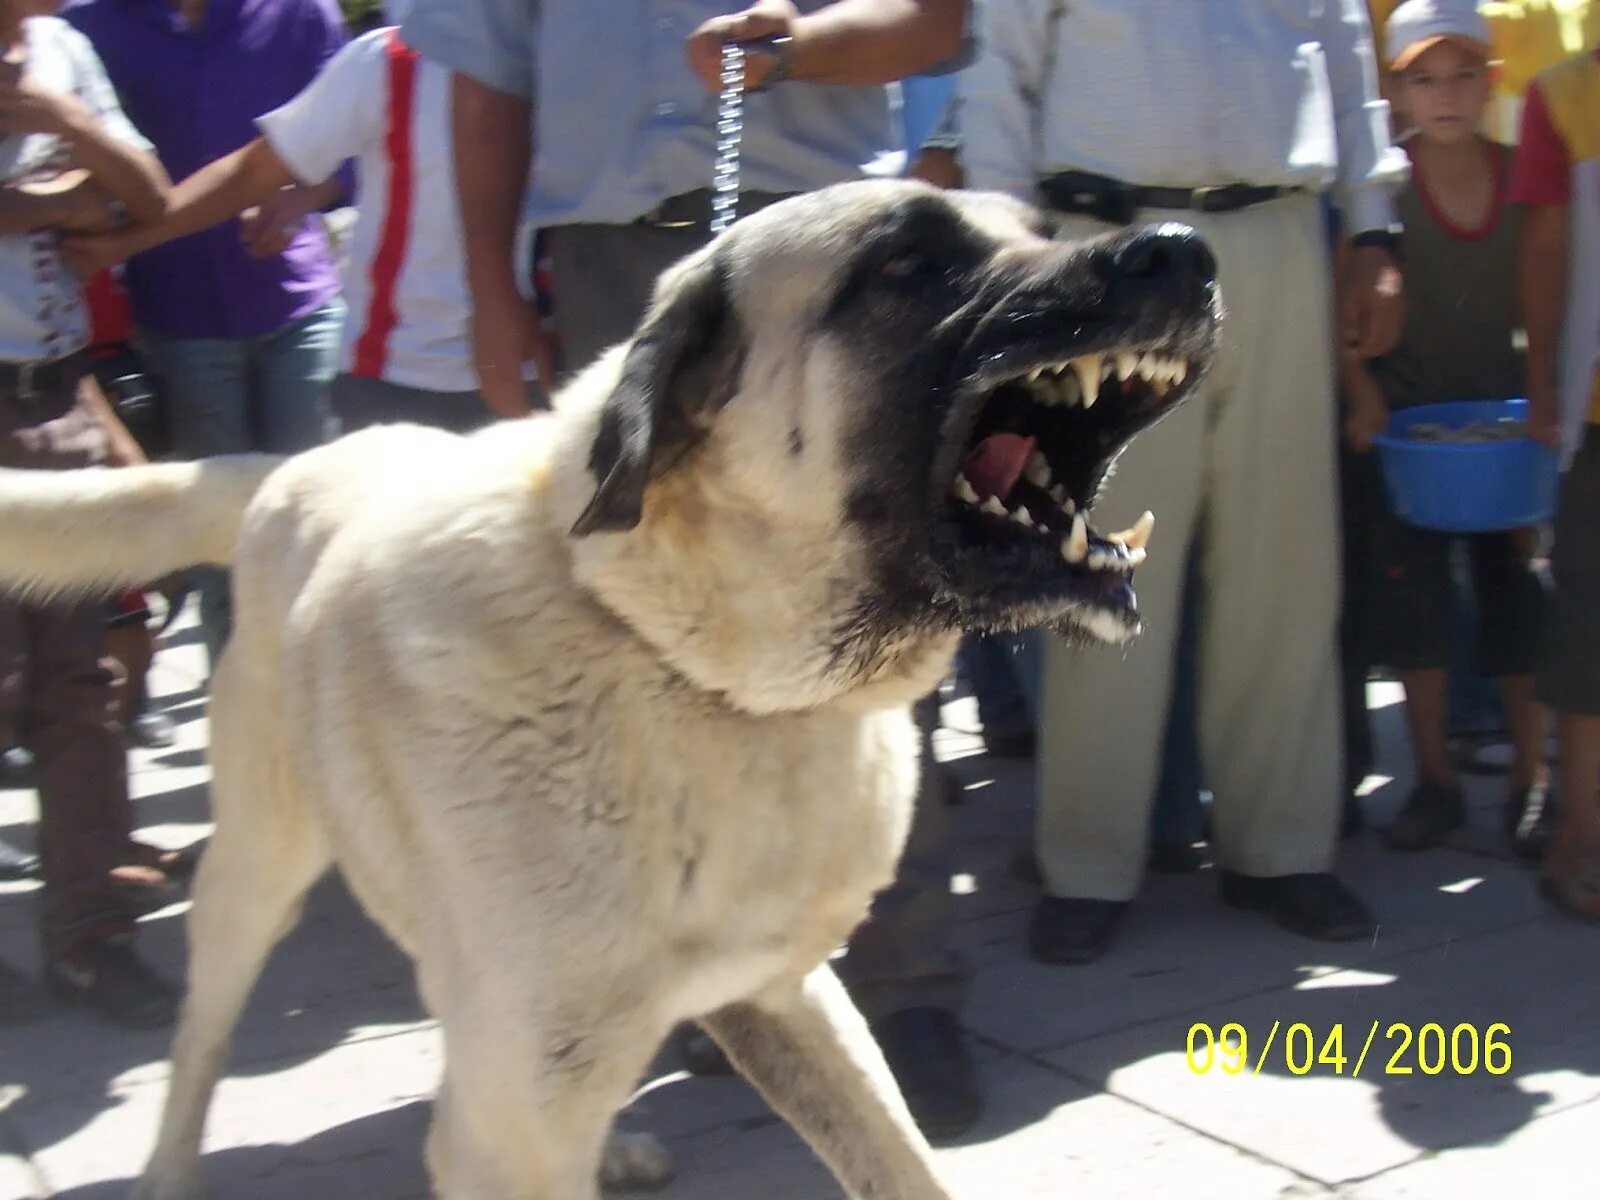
x: 1090, y: 1094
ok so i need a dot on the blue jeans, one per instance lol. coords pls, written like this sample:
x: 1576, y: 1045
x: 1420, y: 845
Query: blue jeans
x: 267, y: 393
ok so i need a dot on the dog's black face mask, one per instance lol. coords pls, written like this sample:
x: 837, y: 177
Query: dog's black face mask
x: 1012, y: 374
x: 994, y: 377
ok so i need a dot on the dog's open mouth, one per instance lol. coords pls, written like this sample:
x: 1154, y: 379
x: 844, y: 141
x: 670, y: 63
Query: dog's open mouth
x: 1038, y: 445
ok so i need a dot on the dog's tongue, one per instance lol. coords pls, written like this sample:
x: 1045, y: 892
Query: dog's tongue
x: 998, y: 462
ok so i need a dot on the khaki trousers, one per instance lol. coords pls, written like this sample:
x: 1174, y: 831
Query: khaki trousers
x: 1249, y: 463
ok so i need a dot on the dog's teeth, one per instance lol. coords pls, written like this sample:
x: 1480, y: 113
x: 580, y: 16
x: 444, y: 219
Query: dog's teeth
x: 1058, y: 494
x: 1136, y: 555
x: 993, y: 507
x: 1109, y: 369
x: 1068, y: 391
x: 1038, y: 472
x: 1127, y: 364
x: 1147, y: 367
x: 1180, y: 370
x: 1022, y: 516
x: 1138, y: 536
x: 1087, y: 367
x: 1033, y: 375
x: 965, y: 491
x: 1076, y: 548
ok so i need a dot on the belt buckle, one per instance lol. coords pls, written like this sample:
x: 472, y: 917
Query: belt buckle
x: 1201, y: 197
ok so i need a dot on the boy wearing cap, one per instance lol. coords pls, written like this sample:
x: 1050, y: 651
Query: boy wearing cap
x: 1557, y: 184
x: 1457, y: 344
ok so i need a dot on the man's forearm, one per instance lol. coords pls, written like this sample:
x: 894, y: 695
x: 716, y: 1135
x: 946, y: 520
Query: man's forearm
x: 218, y: 191
x: 870, y: 42
x: 134, y: 177
x: 21, y: 212
x: 492, y: 132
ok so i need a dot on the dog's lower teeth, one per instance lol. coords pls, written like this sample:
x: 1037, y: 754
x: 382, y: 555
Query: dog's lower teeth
x: 1022, y: 516
x: 965, y: 491
x: 1137, y: 536
x: 993, y: 507
x: 1076, y: 548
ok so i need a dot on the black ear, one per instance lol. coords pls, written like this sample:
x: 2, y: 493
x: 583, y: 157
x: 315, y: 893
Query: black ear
x: 680, y: 369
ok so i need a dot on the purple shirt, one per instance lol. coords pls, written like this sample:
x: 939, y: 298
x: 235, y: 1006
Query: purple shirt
x: 196, y: 96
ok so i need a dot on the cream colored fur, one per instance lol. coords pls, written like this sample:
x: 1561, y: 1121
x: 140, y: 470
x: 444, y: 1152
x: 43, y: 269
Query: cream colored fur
x: 593, y: 786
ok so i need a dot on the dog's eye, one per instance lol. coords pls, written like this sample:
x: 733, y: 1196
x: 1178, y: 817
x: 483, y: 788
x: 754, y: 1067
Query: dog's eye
x: 906, y: 265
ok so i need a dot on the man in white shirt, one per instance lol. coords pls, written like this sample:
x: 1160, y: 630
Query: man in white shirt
x: 1232, y: 118
x: 406, y: 352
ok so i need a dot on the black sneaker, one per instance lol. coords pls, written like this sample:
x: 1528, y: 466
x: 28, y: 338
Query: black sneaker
x: 1530, y: 821
x: 113, y: 982
x: 927, y: 1054
x: 1432, y: 813
x: 17, y: 864
x: 1067, y: 931
x: 1314, y: 905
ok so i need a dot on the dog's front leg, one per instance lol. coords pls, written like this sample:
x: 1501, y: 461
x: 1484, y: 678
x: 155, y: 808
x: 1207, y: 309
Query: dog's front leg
x: 809, y: 1053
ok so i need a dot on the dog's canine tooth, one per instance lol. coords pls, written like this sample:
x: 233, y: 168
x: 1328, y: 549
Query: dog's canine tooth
x: 965, y: 491
x: 1127, y: 364
x: 992, y: 506
x: 1038, y: 471
x: 1087, y: 367
x: 1022, y: 516
x: 1076, y: 548
x: 1137, y: 537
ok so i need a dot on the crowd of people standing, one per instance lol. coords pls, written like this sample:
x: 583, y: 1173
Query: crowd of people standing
x: 1362, y: 272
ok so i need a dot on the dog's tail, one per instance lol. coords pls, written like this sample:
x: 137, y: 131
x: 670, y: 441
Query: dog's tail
x: 93, y: 530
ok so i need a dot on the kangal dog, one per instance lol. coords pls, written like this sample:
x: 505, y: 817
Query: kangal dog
x: 604, y: 714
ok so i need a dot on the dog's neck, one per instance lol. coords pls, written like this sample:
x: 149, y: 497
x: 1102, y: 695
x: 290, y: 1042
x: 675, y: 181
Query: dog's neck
x: 738, y: 604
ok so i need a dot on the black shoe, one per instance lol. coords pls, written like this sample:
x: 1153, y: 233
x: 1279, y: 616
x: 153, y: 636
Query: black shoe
x: 112, y: 981
x: 1020, y: 744
x: 17, y: 864
x: 1313, y: 905
x: 19, y: 999
x: 1068, y: 931
x: 1176, y: 858
x: 151, y: 731
x: 16, y: 767
x: 699, y: 1054
x: 928, y: 1056
x: 1530, y: 821
x: 1431, y: 814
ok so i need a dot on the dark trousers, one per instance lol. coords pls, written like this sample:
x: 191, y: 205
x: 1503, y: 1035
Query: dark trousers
x: 56, y: 699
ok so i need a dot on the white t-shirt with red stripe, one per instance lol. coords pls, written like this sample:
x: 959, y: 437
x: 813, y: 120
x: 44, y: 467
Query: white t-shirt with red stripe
x: 405, y: 278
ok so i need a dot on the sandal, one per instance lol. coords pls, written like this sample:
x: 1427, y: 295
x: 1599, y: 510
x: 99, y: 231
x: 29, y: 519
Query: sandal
x: 1572, y: 884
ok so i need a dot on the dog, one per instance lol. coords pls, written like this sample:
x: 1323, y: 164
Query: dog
x: 604, y: 714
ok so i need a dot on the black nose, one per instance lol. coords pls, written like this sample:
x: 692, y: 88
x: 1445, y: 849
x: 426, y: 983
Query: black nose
x: 1166, y: 256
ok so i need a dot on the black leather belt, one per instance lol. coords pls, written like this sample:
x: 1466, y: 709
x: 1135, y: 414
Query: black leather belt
x: 690, y: 209
x: 1120, y: 203
x: 47, y: 375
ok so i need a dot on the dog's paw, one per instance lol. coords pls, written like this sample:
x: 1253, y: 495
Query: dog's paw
x: 635, y: 1162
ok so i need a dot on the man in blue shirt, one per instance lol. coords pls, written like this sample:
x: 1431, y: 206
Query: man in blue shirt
x: 620, y: 99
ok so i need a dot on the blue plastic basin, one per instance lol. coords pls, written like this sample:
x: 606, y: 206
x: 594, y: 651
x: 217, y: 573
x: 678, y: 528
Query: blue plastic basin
x: 1474, y: 488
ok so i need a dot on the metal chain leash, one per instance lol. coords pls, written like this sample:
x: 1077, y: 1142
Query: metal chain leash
x: 730, y: 131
